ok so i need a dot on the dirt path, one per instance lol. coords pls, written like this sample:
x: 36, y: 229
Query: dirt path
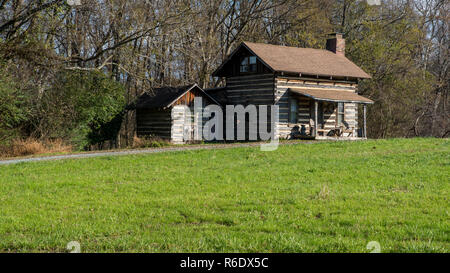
x: 142, y: 151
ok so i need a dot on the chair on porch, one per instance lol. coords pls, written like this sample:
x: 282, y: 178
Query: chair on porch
x: 322, y: 131
x: 346, y: 130
x: 318, y: 131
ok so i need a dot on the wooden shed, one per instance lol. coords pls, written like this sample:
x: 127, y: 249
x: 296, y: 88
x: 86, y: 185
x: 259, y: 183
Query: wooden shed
x: 157, y: 114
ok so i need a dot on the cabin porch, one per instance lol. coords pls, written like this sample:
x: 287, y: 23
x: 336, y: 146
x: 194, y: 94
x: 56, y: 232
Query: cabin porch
x: 327, y: 114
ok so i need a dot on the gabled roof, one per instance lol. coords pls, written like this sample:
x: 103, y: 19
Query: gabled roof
x: 331, y: 95
x: 165, y: 97
x: 309, y: 61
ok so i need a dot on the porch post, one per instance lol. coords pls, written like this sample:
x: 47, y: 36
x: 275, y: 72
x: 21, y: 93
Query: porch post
x: 316, y: 119
x: 365, y: 120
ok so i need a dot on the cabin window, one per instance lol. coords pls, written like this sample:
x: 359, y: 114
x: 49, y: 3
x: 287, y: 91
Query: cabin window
x: 248, y: 65
x: 340, y: 113
x: 293, y: 111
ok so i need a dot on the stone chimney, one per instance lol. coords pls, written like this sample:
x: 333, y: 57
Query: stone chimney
x: 336, y: 44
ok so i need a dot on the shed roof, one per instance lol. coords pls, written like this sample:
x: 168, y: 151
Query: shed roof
x: 165, y: 97
x: 318, y: 62
x: 218, y: 93
x: 332, y: 95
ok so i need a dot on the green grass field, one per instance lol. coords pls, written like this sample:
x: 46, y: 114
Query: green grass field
x: 324, y: 197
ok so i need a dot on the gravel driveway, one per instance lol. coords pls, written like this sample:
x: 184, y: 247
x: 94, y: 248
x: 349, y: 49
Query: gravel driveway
x: 141, y: 151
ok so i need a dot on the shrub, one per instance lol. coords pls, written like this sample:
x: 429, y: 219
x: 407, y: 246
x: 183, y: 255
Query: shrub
x: 84, y: 107
x: 13, y: 108
x: 25, y: 147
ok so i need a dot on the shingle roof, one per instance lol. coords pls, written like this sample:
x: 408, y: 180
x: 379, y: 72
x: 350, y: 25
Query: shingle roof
x: 332, y: 95
x: 304, y: 60
x: 160, y: 97
x: 219, y: 94
x: 165, y: 96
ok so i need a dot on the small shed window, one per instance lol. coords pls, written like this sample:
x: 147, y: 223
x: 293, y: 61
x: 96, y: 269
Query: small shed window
x: 293, y: 111
x: 340, y: 113
x: 248, y: 64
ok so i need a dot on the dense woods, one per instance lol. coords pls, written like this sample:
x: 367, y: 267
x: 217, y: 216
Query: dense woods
x: 68, y: 71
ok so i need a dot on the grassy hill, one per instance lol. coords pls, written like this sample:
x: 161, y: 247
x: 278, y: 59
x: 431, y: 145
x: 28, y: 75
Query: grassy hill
x: 324, y: 197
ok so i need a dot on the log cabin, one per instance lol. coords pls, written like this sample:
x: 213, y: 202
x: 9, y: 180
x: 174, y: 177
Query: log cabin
x: 157, y: 114
x: 316, y: 91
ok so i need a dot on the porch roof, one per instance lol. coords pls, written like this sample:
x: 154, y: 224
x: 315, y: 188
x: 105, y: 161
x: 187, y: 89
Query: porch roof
x: 331, y: 95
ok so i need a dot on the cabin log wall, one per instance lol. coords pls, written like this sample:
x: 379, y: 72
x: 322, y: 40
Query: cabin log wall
x: 156, y: 123
x: 246, y: 90
x: 306, y: 105
x: 251, y: 90
x: 179, y: 124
